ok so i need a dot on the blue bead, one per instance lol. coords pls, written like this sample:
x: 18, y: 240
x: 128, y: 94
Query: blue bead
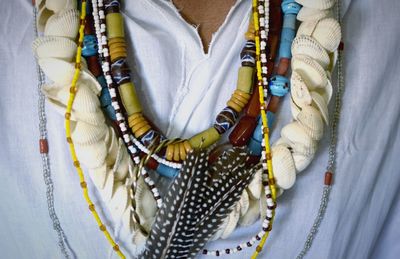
x: 254, y: 147
x: 279, y: 85
x: 102, y: 81
x: 257, y: 134
x: 290, y: 7
x: 167, y: 171
x: 110, y: 112
x: 287, y: 36
x: 105, y: 98
x: 89, y: 46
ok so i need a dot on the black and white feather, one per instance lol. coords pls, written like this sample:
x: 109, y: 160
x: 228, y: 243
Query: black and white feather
x: 197, y: 202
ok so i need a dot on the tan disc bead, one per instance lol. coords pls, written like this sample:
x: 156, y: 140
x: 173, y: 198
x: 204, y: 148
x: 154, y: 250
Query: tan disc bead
x: 187, y: 146
x: 138, y: 124
x: 176, y: 152
x: 182, y: 151
x: 117, y: 48
x: 169, y: 153
x: 238, y: 100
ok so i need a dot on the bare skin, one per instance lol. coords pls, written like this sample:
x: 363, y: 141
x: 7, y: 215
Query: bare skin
x: 207, y: 14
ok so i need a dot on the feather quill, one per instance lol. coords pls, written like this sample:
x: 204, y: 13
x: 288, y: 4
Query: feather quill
x: 197, y: 202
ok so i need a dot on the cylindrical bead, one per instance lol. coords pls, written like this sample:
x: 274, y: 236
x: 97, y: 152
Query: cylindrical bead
x: 44, y: 146
x: 129, y: 98
x: 243, y: 131
x: 115, y: 25
x: 328, y: 178
x: 204, y: 139
x: 245, y: 79
x: 225, y: 120
x: 253, y: 107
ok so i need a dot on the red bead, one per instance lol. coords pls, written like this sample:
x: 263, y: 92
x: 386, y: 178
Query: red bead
x: 328, y: 178
x: 243, y: 131
x: 44, y: 146
x: 253, y: 107
x: 94, y: 66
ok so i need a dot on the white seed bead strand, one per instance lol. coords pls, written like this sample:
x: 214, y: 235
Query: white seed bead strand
x: 99, y: 19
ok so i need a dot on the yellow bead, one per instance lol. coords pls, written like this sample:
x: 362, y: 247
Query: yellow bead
x: 169, y: 154
x: 204, y: 139
x: 245, y: 79
x: 115, y: 25
x: 176, y: 152
x: 129, y: 98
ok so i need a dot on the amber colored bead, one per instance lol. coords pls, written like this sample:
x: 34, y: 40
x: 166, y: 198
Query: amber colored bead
x: 169, y: 154
x: 116, y: 248
x: 89, y: 26
x: 83, y: 185
x: 94, y: 66
x: 328, y: 178
x: 91, y: 207
x: 253, y: 107
x: 103, y: 228
x: 273, y: 104
x: 283, y: 66
x: 176, y: 152
x: 238, y: 100
x: 243, y: 131
x: 44, y: 146
x: 182, y: 151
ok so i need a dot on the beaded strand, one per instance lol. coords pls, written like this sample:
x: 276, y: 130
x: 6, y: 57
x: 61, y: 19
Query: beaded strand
x: 329, y: 174
x: 101, y: 27
x: 79, y: 170
x: 44, y: 153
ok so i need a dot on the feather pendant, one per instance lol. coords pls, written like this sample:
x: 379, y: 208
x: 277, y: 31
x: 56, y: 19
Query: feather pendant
x: 198, y: 201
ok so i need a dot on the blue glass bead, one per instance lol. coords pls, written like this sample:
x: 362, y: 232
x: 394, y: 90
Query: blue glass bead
x: 167, y: 171
x: 110, y: 112
x: 290, y: 7
x: 255, y: 140
x: 279, y: 85
x: 102, y: 81
x: 287, y: 36
x: 271, y: 119
x: 149, y: 137
x: 105, y: 98
x: 254, y: 147
x: 89, y: 46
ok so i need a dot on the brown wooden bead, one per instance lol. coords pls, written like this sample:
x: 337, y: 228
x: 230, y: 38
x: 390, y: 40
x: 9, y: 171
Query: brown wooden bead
x: 89, y: 27
x: 44, y: 146
x: 94, y: 66
x: 273, y: 104
x: 283, y: 67
x: 253, y: 107
x: 328, y: 178
x: 243, y: 131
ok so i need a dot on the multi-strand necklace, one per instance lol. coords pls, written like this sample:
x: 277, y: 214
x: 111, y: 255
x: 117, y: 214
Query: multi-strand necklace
x: 119, y: 97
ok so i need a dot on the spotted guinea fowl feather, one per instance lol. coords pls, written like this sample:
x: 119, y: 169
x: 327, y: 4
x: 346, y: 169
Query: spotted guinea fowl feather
x: 197, y: 203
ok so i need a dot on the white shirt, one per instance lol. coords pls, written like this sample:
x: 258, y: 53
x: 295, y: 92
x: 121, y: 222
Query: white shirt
x: 182, y: 90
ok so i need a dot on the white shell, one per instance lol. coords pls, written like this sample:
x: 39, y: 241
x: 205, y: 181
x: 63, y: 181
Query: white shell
x: 92, y: 156
x: 301, y: 161
x: 298, y: 139
x: 43, y: 15
x: 232, y: 222
x: 244, y: 203
x: 299, y: 91
x: 310, y: 70
x: 108, y: 189
x: 59, y: 5
x: 328, y: 34
x: 122, y: 162
x: 119, y: 200
x: 252, y: 214
x: 146, y: 206
x: 309, y: 14
x: 325, y: 92
x: 59, y: 71
x: 306, y: 45
x: 311, y: 120
x: 255, y: 186
x: 99, y: 175
x: 294, y: 108
x: 317, y: 4
x: 283, y: 166
x: 87, y: 134
x: 112, y: 145
x: 307, y: 28
x: 320, y: 103
x: 63, y: 24
x: 54, y: 47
